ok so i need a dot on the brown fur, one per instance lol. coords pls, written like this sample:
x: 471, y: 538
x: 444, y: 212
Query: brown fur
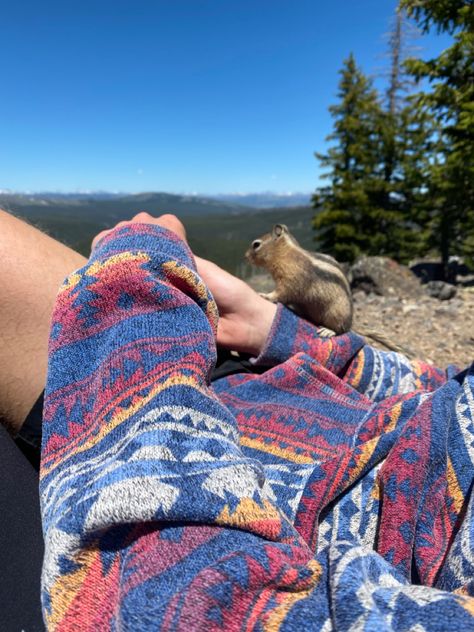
x: 313, y: 284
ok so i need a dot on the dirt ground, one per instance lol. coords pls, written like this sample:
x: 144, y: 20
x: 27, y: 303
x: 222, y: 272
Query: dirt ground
x: 439, y: 332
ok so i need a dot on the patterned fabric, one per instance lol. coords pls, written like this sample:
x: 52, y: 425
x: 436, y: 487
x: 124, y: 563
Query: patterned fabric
x: 331, y: 492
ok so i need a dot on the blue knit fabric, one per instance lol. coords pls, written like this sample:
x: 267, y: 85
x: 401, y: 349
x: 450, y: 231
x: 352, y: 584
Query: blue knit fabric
x: 332, y: 492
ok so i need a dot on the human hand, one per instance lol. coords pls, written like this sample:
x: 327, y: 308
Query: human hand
x: 171, y: 222
x: 245, y: 318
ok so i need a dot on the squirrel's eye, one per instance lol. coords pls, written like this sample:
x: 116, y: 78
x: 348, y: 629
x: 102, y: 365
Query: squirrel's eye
x: 256, y: 244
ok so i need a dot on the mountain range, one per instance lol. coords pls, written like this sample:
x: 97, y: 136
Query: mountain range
x: 267, y: 200
x: 159, y: 201
x: 114, y: 206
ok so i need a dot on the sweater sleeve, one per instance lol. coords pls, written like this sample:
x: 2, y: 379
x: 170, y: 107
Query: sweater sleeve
x: 153, y: 516
x: 149, y: 505
x: 376, y: 374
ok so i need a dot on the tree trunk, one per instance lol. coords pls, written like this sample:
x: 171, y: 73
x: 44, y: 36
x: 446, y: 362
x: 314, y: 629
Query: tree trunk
x: 445, y: 243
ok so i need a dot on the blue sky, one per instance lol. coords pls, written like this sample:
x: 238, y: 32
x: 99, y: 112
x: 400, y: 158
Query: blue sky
x: 207, y: 96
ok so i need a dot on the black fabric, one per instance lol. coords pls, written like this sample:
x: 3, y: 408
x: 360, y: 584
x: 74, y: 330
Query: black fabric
x: 229, y: 364
x: 29, y: 437
x: 21, y: 541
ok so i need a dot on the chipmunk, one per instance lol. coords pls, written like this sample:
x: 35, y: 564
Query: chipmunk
x: 312, y: 284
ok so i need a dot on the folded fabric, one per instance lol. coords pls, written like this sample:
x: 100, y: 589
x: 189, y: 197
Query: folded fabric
x: 330, y: 492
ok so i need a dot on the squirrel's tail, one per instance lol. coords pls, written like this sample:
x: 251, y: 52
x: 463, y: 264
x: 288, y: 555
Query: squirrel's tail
x: 384, y: 340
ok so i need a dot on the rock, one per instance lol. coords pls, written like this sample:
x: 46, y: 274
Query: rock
x: 383, y: 276
x: 358, y: 296
x: 372, y: 298
x: 446, y: 310
x: 428, y: 271
x: 441, y: 290
x: 409, y: 308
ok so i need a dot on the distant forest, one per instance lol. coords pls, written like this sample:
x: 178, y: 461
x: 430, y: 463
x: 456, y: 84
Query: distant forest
x: 216, y: 230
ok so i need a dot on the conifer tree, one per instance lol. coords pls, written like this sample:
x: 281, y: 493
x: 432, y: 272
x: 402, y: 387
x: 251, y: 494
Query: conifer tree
x: 378, y: 201
x: 451, y: 102
x: 407, y: 136
x: 347, y: 221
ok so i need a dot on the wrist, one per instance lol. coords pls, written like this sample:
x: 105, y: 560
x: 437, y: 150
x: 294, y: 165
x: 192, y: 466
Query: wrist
x: 260, y: 323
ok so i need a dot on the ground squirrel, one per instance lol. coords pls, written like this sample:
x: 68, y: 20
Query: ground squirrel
x: 312, y: 284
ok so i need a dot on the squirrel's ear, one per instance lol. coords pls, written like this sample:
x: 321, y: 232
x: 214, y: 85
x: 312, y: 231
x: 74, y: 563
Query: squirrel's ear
x: 278, y: 230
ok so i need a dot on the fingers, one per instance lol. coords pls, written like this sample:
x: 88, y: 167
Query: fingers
x: 209, y: 270
x: 169, y: 221
x: 100, y: 236
x: 205, y: 266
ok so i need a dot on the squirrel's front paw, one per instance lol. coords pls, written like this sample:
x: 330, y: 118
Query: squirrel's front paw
x: 270, y: 296
x: 324, y: 332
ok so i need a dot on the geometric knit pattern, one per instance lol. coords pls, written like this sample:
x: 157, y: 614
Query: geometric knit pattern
x: 333, y: 491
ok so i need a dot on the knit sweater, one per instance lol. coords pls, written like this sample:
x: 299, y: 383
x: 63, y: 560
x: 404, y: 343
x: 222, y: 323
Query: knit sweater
x: 330, y: 492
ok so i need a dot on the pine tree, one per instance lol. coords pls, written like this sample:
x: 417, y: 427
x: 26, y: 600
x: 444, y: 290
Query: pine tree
x: 417, y: 142
x: 407, y: 135
x: 378, y: 166
x: 393, y: 126
x: 348, y: 222
x: 451, y: 102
